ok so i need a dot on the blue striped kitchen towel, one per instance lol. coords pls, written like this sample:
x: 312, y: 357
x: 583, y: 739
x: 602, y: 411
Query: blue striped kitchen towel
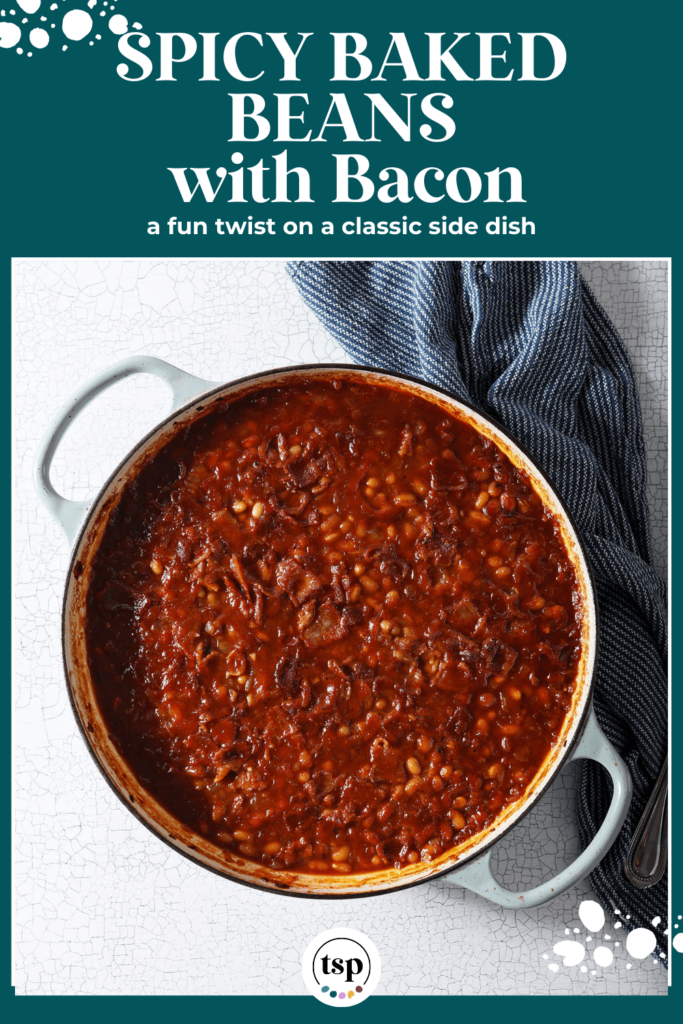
x: 527, y: 343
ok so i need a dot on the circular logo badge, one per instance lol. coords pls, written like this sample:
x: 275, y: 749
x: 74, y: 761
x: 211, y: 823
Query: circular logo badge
x: 341, y: 967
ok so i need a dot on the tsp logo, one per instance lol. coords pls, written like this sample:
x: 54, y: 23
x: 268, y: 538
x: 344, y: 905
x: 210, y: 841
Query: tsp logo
x: 341, y: 967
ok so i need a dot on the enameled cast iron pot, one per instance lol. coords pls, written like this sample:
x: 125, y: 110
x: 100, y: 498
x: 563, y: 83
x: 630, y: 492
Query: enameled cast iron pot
x: 467, y: 865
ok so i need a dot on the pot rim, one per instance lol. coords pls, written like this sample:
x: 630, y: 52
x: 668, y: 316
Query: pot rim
x: 197, y: 402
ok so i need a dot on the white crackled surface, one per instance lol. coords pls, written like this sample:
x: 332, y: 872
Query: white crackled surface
x: 635, y: 297
x: 101, y: 906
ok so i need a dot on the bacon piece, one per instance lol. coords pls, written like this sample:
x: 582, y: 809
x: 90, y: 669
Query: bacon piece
x: 438, y: 549
x: 340, y: 584
x: 395, y: 568
x: 328, y: 626
x: 458, y: 722
x: 258, y: 607
x: 305, y: 615
x: 456, y: 641
x: 352, y: 614
x: 236, y: 600
x: 405, y: 446
x: 465, y: 616
x: 500, y: 656
x: 309, y: 474
x: 299, y: 583
x: 385, y: 761
x: 249, y: 780
x: 238, y: 573
x: 287, y: 670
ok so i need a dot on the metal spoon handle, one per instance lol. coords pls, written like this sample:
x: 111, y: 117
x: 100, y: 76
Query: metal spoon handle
x: 647, y: 855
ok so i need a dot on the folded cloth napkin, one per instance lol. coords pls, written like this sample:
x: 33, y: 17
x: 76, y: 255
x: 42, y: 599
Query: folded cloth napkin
x: 528, y: 344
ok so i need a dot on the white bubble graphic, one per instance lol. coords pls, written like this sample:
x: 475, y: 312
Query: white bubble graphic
x: 30, y: 6
x: 118, y: 24
x: 592, y: 915
x: 39, y: 38
x: 640, y: 943
x: 76, y: 24
x: 572, y: 953
x: 10, y: 34
x: 678, y: 942
x: 603, y: 956
x: 553, y: 967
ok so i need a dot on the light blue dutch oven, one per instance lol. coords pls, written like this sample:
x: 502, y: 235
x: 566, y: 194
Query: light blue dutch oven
x: 468, y: 864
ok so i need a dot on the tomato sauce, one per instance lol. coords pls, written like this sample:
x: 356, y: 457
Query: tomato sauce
x: 332, y: 628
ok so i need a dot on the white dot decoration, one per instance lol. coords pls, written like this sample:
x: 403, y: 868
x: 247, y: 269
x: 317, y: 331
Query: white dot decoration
x: 640, y: 943
x: 76, y: 24
x: 39, y: 38
x: 572, y: 953
x: 10, y: 34
x: 592, y: 915
x: 118, y: 24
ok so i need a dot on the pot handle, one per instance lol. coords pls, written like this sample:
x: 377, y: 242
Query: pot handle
x: 478, y: 875
x: 71, y: 514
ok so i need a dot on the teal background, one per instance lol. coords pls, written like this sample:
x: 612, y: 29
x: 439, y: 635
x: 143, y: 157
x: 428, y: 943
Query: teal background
x: 83, y: 169
x: 86, y: 152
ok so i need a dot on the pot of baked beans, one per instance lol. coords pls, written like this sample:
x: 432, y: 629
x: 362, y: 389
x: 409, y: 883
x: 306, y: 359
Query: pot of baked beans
x: 329, y: 631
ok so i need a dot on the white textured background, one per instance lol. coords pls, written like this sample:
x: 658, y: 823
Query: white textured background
x: 101, y: 906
